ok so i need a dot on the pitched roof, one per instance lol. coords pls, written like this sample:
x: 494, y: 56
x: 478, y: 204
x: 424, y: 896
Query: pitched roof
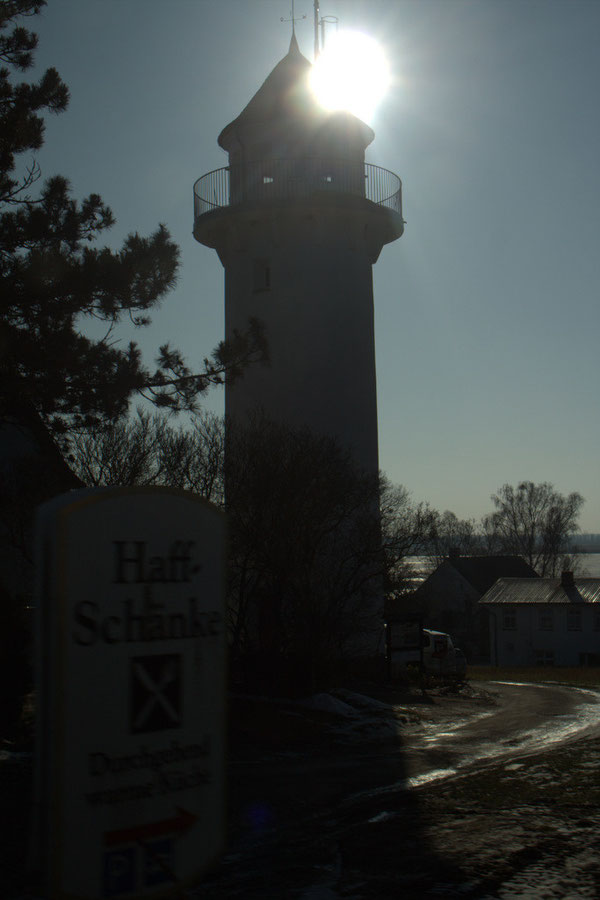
x: 23, y: 437
x: 482, y: 571
x: 543, y: 590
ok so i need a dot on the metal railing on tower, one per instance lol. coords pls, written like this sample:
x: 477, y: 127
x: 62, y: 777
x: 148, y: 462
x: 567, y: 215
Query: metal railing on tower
x: 288, y: 179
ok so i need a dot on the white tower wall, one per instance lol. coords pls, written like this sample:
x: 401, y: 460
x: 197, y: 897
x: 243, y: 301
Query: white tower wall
x: 317, y: 309
x: 298, y: 220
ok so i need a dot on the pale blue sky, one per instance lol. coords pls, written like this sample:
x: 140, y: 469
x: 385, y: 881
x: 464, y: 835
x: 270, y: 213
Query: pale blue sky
x: 487, y: 308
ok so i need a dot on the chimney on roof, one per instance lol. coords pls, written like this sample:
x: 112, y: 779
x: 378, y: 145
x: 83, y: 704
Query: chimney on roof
x: 567, y: 580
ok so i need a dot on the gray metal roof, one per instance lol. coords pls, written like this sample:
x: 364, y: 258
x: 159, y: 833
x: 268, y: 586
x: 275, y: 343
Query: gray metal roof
x: 543, y: 590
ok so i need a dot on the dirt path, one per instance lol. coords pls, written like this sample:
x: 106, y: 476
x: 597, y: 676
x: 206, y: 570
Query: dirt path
x: 514, y: 815
x: 523, y: 719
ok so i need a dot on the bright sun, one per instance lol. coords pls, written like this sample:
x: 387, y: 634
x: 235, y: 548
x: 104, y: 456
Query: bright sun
x: 351, y: 73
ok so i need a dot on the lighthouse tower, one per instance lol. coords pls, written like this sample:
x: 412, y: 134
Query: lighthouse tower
x: 298, y: 220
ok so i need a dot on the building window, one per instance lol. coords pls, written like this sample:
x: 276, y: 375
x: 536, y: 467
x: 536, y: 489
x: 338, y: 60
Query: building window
x: 262, y: 275
x: 328, y: 178
x: 597, y: 620
x: 546, y: 620
x: 268, y: 179
x: 509, y: 620
x: 544, y: 657
x: 573, y: 620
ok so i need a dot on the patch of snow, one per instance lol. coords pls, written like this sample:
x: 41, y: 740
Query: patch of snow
x: 404, y: 784
x: 15, y: 756
x: 361, y: 700
x: 428, y: 777
x: 328, y: 703
x: 383, y: 817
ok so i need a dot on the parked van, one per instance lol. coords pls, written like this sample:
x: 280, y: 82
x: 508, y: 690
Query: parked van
x: 440, y: 656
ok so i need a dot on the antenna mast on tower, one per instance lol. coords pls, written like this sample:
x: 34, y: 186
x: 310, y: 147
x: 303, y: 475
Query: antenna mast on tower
x: 326, y: 20
x: 293, y: 19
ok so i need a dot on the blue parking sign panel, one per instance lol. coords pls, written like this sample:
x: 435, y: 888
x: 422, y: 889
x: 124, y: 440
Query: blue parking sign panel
x: 119, y: 872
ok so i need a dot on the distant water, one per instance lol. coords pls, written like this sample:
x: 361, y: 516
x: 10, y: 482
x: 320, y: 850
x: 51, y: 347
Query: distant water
x: 589, y: 565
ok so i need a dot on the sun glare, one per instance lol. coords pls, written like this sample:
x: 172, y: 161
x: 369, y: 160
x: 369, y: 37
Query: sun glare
x: 351, y: 73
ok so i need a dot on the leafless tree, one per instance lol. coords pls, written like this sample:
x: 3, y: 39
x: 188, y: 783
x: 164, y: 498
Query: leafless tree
x: 147, y: 450
x: 315, y: 543
x: 305, y: 549
x: 534, y: 521
x: 451, y: 534
x: 408, y: 529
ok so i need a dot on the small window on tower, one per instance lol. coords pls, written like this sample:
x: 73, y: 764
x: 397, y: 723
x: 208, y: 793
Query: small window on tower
x: 262, y: 275
x: 268, y: 179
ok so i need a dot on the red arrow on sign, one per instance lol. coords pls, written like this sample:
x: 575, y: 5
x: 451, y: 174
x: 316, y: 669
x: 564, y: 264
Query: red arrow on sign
x: 183, y: 821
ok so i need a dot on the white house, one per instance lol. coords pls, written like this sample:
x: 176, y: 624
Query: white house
x: 544, y: 621
x: 448, y: 598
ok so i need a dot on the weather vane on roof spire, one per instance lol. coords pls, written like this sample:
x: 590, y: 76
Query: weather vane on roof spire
x: 293, y: 20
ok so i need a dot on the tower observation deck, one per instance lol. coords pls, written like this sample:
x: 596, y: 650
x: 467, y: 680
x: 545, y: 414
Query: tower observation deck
x: 303, y: 180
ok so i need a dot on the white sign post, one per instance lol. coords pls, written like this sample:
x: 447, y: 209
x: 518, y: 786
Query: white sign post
x: 131, y: 682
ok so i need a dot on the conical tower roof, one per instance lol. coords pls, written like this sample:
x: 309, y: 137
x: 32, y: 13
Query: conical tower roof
x: 285, y: 95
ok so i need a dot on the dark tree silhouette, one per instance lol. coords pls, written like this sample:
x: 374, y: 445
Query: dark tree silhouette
x: 408, y: 528
x: 305, y: 560
x: 148, y: 449
x: 53, y: 278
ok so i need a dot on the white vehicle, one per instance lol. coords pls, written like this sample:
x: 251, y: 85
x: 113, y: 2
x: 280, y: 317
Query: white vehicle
x: 439, y: 655
x: 409, y: 644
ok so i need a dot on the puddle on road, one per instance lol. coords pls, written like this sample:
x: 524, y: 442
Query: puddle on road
x: 431, y: 733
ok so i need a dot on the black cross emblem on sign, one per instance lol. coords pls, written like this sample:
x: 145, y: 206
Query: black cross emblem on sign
x: 155, y: 692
